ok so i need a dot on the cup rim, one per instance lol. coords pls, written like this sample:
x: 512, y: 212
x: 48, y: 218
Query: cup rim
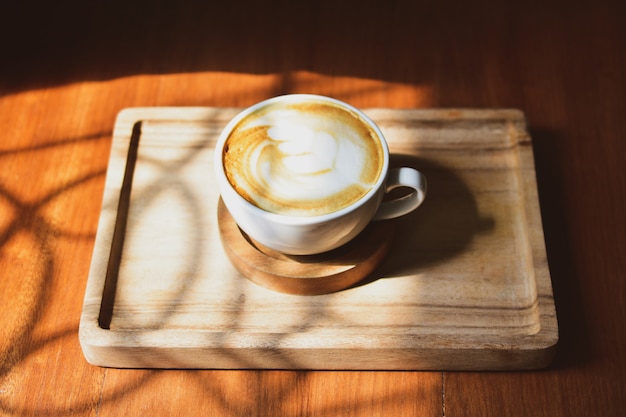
x: 288, y: 218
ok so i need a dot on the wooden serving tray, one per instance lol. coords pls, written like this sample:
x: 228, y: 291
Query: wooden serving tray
x: 465, y: 285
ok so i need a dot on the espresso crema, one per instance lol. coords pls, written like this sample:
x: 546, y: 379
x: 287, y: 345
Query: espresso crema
x: 305, y: 158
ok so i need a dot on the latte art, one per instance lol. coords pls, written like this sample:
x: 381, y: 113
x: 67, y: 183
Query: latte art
x: 303, y: 159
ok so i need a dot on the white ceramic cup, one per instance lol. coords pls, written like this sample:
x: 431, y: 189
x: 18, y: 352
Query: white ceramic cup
x: 306, y: 235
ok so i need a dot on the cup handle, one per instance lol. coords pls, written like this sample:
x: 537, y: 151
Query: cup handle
x: 403, y: 177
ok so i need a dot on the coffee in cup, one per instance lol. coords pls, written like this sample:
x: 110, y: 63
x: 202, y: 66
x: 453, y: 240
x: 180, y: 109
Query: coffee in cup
x: 304, y: 174
x: 303, y: 158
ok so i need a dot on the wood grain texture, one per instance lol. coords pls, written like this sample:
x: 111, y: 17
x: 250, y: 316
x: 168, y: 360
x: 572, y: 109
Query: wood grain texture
x: 62, y: 84
x: 272, y: 393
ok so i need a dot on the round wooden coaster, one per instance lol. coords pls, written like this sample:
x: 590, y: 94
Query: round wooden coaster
x: 304, y: 274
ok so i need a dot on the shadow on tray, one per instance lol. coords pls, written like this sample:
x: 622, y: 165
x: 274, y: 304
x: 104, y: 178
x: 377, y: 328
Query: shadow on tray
x: 439, y: 229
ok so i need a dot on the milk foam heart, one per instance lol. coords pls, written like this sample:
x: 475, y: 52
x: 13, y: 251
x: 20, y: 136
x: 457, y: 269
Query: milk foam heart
x: 303, y: 159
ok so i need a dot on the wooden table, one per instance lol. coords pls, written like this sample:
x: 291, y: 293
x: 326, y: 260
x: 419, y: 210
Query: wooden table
x: 67, y: 70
